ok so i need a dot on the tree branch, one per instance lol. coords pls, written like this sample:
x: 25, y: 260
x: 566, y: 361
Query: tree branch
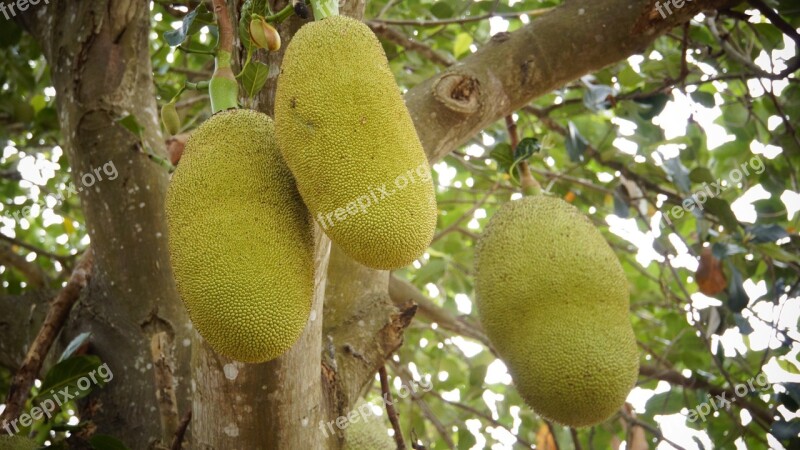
x: 677, y: 379
x: 56, y: 317
x: 37, y: 278
x: 514, y: 68
x: 395, y: 36
x: 437, y: 23
x: 402, y: 293
x: 390, y: 411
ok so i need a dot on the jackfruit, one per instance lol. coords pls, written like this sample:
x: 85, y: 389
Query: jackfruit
x: 554, y: 301
x: 366, y: 431
x: 348, y: 138
x: 240, y: 239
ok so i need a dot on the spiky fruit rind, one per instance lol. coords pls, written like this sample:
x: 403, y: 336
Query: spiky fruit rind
x: 240, y: 239
x: 554, y: 301
x: 367, y: 431
x: 348, y: 138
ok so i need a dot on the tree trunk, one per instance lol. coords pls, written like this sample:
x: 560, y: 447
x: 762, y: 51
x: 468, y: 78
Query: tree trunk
x: 99, y: 59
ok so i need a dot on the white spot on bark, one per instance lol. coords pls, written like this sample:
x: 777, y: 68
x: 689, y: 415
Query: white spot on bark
x: 187, y: 342
x: 313, y: 316
x: 231, y: 430
x: 231, y: 371
x: 581, y: 11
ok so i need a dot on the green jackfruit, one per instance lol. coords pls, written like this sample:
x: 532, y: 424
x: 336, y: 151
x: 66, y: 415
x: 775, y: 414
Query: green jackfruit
x: 553, y: 299
x: 240, y: 239
x: 349, y: 140
x: 367, y: 431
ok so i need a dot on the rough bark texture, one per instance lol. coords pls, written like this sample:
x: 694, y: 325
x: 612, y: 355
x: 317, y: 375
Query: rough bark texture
x: 99, y: 58
x: 100, y: 66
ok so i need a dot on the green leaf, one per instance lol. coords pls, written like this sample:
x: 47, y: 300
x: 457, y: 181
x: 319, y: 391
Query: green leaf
x: 74, y: 345
x: 575, y: 143
x: 461, y: 44
x: 192, y: 23
x: 526, y: 148
x: 722, y: 210
x: 678, y: 173
x: 254, y: 76
x: 653, y: 104
x: 704, y: 98
x: 441, y: 10
x: 501, y: 153
x: 131, y: 124
x: 783, y: 430
x: 665, y: 403
x: 701, y: 175
x: 737, y: 297
x: 596, y: 97
x: 766, y: 233
x: 66, y: 375
x: 105, y: 442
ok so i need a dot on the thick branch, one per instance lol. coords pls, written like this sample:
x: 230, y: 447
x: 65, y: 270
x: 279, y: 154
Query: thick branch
x: 56, y: 316
x: 677, y: 379
x: 515, y: 68
x: 404, y: 293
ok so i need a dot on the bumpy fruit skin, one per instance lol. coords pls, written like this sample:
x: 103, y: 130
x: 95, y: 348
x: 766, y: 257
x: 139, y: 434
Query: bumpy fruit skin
x: 367, y: 434
x: 346, y: 134
x: 553, y: 300
x: 240, y: 239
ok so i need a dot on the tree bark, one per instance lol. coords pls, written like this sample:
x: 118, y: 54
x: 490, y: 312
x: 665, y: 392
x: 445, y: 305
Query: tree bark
x: 513, y: 69
x: 99, y: 61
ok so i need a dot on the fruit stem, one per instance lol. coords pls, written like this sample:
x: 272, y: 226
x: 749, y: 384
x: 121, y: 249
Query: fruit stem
x: 223, y: 87
x: 278, y: 17
x: 324, y: 8
x: 529, y: 184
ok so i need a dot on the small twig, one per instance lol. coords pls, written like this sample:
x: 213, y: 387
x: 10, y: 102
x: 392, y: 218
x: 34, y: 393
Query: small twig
x: 653, y: 430
x: 776, y: 20
x: 390, y: 411
x: 177, y: 441
x: 575, y: 441
x: 56, y: 317
x: 436, y: 23
x: 552, y: 433
x: 527, y: 182
x: 393, y: 35
x: 36, y: 277
x: 453, y: 226
x: 63, y: 259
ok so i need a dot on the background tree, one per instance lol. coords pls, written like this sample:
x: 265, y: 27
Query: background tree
x: 634, y: 113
